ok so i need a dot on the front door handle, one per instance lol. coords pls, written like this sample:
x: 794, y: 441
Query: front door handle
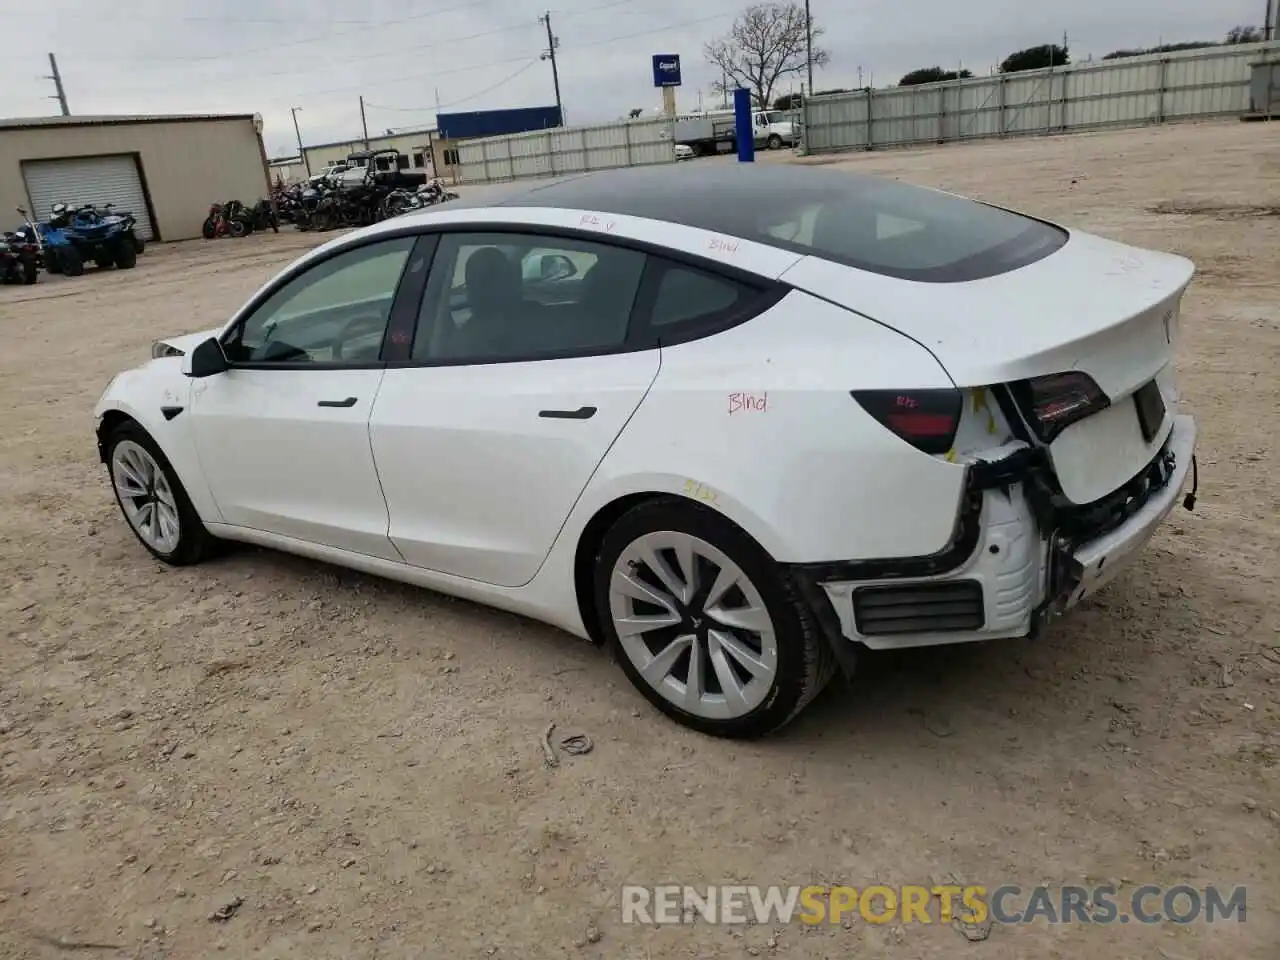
x: 582, y: 413
x: 349, y: 402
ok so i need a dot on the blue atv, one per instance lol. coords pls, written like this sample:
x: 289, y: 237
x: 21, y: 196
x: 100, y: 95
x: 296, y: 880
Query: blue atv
x: 107, y: 241
x: 56, y: 254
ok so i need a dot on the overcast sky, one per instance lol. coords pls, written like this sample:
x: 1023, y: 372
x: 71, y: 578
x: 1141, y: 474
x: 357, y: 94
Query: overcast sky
x: 265, y: 56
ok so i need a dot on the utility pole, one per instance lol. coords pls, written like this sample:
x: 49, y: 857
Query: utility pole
x: 1269, y: 21
x: 56, y: 77
x: 808, y: 43
x: 550, y: 54
x: 298, y: 133
x: 364, y: 127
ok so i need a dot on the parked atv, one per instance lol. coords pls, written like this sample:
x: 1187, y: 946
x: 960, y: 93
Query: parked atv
x: 107, y: 241
x: 19, y: 258
x: 130, y: 224
x: 56, y: 252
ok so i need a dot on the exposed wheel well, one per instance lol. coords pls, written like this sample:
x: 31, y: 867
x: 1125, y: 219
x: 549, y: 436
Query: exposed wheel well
x: 110, y: 420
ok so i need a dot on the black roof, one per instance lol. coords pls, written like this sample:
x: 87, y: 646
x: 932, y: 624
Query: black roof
x: 872, y: 223
x: 683, y: 193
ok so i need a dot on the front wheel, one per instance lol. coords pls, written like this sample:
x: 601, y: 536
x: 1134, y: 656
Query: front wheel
x: 152, y: 499
x: 704, y: 624
x: 775, y: 142
x: 30, y: 271
x: 70, y: 262
x: 209, y: 229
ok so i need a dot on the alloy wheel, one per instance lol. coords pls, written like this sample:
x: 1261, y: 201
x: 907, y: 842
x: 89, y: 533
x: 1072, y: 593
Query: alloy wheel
x: 146, y: 496
x: 693, y: 625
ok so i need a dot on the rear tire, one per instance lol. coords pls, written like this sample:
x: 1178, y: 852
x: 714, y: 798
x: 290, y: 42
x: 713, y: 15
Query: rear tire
x: 126, y: 254
x: 30, y: 272
x: 136, y: 462
x: 761, y: 655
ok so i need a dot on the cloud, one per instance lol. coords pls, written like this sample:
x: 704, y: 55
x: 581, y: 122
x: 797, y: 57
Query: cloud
x: 180, y: 56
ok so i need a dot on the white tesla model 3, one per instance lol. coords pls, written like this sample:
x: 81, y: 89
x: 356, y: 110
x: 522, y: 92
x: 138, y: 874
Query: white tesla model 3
x: 733, y: 422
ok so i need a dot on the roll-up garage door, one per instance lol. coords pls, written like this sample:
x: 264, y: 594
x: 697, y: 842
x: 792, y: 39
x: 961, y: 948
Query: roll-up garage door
x: 96, y: 180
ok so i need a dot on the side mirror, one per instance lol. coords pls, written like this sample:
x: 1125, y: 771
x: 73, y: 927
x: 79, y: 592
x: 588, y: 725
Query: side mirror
x: 556, y: 266
x: 206, y: 360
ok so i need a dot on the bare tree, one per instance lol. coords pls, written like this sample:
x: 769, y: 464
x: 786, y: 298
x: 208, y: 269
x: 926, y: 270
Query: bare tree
x: 765, y: 44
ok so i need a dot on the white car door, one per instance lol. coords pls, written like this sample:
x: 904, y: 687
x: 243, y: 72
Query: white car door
x: 283, y: 435
x: 520, y: 378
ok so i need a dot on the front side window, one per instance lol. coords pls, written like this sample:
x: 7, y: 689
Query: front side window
x: 494, y: 297
x: 335, y: 312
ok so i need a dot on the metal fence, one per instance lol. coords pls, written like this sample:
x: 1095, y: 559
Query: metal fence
x: 548, y: 153
x: 1132, y: 91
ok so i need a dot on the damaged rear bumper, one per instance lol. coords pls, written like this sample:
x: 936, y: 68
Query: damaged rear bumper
x: 1021, y: 554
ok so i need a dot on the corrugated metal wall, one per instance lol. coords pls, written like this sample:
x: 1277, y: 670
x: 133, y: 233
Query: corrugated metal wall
x: 1126, y: 92
x: 548, y: 153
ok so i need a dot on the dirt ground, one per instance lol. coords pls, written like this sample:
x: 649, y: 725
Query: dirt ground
x: 360, y: 761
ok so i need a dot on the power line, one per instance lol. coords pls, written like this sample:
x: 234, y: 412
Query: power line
x: 405, y: 76
x: 576, y: 48
x: 235, y: 54
x: 453, y: 103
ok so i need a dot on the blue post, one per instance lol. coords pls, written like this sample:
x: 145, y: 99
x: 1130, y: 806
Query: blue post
x: 744, y: 131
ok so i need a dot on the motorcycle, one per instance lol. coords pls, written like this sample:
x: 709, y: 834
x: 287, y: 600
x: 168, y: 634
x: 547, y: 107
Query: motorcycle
x: 226, y: 220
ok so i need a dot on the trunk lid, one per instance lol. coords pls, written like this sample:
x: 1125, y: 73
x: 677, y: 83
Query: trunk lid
x: 1095, y: 306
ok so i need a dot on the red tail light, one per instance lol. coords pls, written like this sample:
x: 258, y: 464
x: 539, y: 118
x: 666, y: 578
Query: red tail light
x: 926, y: 419
x: 1054, y: 402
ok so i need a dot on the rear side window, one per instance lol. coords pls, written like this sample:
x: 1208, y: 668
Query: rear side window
x: 686, y: 295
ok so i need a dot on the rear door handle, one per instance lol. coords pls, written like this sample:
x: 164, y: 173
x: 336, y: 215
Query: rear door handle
x: 582, y: 413
x: 349, y: 402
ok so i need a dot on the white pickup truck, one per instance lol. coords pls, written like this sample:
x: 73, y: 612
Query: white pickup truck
x: 715, y: 132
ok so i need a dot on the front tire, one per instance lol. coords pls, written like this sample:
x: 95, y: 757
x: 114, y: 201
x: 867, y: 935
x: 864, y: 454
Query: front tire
x: 30, y: 272
x: 153, y: 500
x: 704, y: 624
x: 775, y: 142
x: 70, y: 262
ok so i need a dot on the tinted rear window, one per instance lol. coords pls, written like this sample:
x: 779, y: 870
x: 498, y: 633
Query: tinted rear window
x: 905, y: 232
x: 881, y: 226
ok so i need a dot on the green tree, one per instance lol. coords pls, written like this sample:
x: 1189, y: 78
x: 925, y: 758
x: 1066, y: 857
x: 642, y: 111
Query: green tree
x: 1036, y: 58
x: 932, y: 75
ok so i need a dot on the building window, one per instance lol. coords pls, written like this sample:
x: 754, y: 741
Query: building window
x: 451, y: 158
x: 402, y: 162
x: 418, y: 163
